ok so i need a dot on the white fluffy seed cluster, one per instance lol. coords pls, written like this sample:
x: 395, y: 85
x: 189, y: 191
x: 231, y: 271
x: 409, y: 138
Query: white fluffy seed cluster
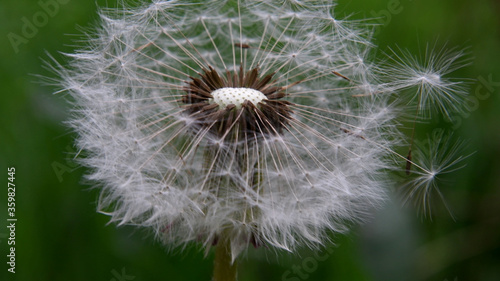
x: 228, y: 95
x: 156, y: 167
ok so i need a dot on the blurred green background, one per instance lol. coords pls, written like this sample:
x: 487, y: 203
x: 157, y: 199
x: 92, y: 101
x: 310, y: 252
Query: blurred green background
x: 59, y: 235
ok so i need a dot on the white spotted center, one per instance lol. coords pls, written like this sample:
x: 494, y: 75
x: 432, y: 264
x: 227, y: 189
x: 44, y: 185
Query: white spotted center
x: 226, y: 96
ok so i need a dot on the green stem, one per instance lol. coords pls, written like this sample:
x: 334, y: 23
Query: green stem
x: 224, y: 269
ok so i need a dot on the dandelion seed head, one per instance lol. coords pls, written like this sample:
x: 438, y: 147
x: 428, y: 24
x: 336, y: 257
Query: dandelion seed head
x: 258, y: 122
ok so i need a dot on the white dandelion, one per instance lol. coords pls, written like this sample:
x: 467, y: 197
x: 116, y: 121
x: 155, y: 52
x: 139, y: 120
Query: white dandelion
x: 233, y: 123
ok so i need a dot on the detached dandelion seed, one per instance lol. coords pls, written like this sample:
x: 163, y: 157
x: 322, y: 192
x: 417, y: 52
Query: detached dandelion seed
x: 236, y: 123
x: 427, y: 75
x: 438, y: 155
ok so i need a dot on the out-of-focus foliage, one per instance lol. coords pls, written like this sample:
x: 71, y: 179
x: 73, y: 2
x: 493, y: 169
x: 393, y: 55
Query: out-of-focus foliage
x: 59, y: 236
